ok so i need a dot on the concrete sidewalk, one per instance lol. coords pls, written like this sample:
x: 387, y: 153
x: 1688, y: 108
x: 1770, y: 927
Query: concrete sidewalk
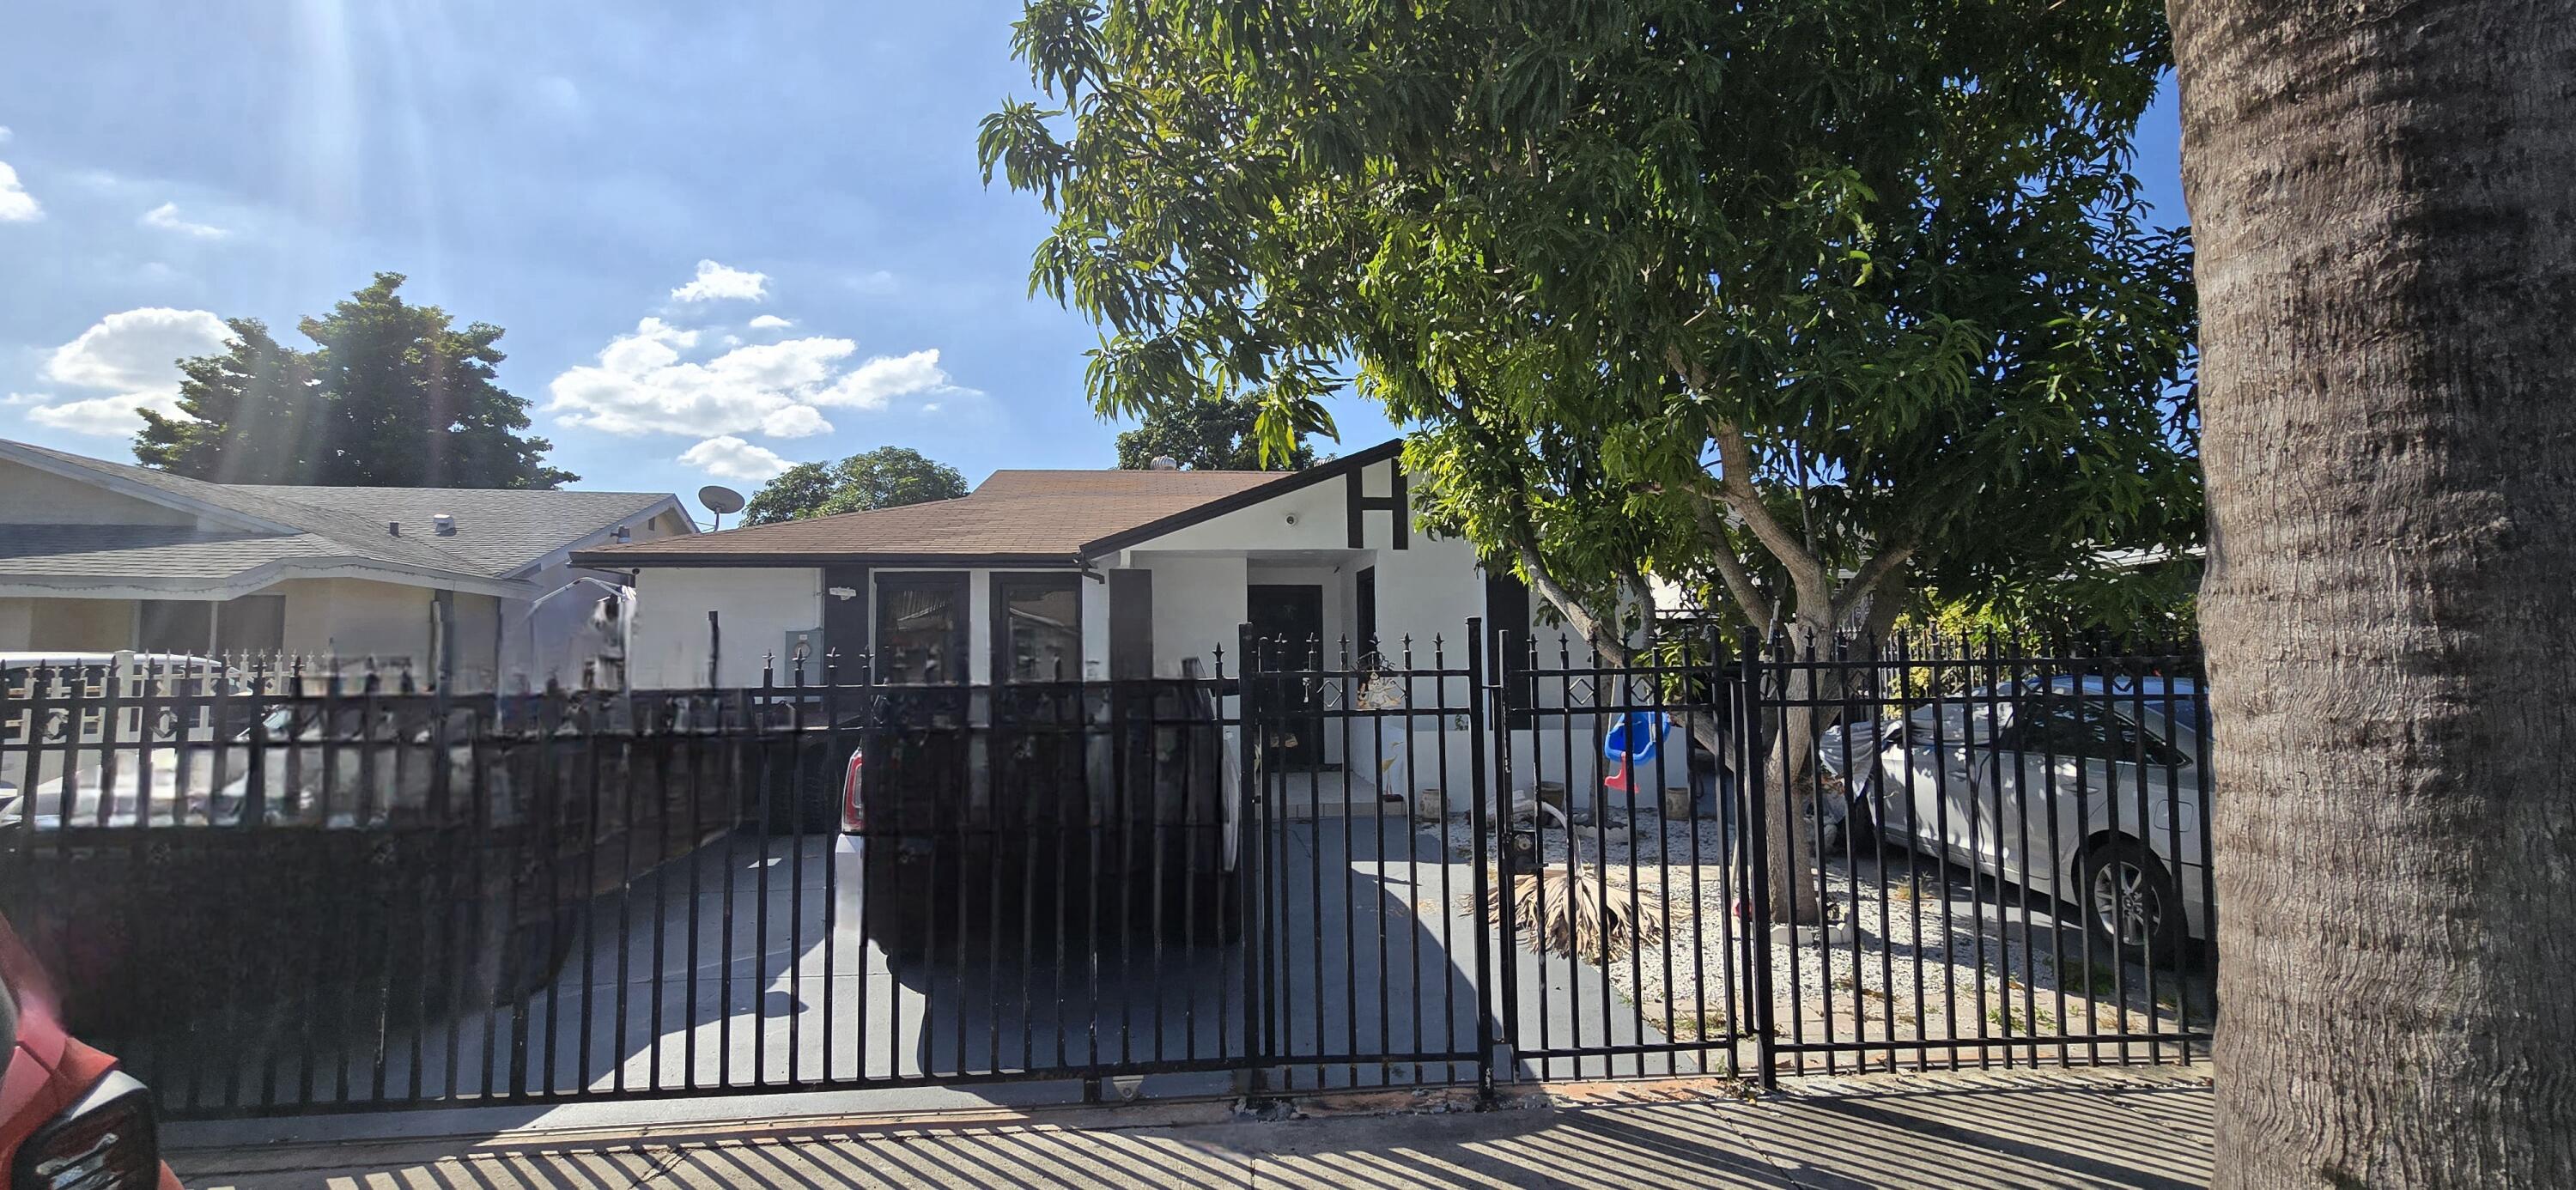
x: 2022, y: 1128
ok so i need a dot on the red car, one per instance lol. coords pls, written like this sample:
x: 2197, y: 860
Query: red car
x: 69, y: 1119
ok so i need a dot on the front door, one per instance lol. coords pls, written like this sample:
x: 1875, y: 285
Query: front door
x: 1288, y: 620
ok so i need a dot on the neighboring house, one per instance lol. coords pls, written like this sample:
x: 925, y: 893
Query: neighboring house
x: 1078, y: 575
x: 98, y: 557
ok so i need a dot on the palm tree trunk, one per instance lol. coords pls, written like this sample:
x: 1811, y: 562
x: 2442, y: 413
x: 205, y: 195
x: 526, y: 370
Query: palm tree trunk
x: 2385, y: 197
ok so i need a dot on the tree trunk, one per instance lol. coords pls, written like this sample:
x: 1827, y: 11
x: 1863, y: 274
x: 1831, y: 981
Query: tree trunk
x: 2386, y: 210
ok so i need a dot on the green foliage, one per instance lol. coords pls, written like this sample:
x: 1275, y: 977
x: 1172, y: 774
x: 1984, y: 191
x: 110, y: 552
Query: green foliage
x: 391, y: 395
x: 887, y: 477
x: 1748, y: 296
x: 2109, y: 600
x: 1221, y: 434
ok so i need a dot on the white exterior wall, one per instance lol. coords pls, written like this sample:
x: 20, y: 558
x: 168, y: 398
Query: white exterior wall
x: 354, y: 619
x: 1426, y: 590
x: 477, y: 626
x: 67, y: 625
x: 1095, y: 630
x: 755, y: 606
x: 1198, y: 608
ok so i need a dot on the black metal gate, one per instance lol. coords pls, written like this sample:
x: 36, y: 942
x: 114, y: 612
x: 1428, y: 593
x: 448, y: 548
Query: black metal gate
x: 1372, y: 950
x: 1618, y: 867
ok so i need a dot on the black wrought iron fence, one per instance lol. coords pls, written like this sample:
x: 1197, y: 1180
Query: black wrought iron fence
x: 1362, y: 864
x: 1997, y: 852
x: 269, y: 894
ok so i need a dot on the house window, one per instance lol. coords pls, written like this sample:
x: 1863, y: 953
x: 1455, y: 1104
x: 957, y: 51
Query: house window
x: 921, y: 629
x: 251, y: 624
x: 174, y: 626
x: 1037, y: 628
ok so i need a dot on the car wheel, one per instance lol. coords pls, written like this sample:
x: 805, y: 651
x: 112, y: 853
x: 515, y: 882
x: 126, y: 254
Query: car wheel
x: 2131, y: 904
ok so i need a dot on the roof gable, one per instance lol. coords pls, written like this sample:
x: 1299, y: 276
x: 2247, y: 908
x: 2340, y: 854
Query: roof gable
x: 1013, y: 517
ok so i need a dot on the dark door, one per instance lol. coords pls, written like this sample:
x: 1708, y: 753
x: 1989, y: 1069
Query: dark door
x: 1131, y: 624
x: 1289, y: 619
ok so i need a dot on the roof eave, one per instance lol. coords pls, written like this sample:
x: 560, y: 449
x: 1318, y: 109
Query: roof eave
x: 628, y: 559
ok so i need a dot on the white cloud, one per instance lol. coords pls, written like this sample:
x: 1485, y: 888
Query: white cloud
x: 4, y: 134
x: 729, y: 457
x: 716, y: 283
x: 16, y: 205
x: 26, y: 398
x: 107, y: 417
x: 166, y: 217
x: 133, y: 355
x: 645, y: 384
x: 137, y: 348
x: 771, y: 322
x: 795, y: 421
x: 872, y: 384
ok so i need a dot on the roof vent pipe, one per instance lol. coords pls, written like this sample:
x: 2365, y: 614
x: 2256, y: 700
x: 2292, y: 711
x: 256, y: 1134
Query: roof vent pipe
x: 393, y: 528
x: 1164, y: 463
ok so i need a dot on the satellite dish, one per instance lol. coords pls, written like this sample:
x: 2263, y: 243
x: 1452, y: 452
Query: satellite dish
x: 720, y: 500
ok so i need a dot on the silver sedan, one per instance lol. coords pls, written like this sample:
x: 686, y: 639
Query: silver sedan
x: 2089, y: 790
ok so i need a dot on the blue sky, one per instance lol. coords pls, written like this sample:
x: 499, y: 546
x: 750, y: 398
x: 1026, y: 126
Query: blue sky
x: 605, y: 180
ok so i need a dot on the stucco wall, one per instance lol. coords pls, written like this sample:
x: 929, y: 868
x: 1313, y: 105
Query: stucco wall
x: 478, y: 642
x: 756, y: 608
x: 354, y: 619
x: 79, y: 625
x: 1321, y: 523
x: 1198, y: 608
x: 32, y: 497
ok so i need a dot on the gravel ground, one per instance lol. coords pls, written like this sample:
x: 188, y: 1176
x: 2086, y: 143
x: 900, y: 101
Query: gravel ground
x: 1902, y: 957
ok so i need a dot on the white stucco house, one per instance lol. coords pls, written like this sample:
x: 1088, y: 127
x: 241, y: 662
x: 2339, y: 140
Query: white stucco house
x: 98, y: 557
x: 1096, y: 574
x: 1076, y: 575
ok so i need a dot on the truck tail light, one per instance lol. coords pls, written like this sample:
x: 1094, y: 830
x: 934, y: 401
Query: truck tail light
x: 107, y: 1141
x: 854, y: 812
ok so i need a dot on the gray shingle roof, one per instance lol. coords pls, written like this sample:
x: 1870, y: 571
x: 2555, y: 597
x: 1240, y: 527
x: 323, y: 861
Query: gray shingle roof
x: 148, y: 551
x: 498, y: 532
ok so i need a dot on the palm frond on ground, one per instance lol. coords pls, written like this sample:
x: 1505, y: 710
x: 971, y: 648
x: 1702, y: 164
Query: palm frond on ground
x: 1582, y: 911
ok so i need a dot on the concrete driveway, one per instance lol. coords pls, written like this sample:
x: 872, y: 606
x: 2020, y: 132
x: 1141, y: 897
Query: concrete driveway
x: 727, y: 970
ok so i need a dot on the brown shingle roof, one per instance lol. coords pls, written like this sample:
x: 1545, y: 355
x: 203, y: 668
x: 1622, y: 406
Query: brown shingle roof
x: 1020, y: 516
